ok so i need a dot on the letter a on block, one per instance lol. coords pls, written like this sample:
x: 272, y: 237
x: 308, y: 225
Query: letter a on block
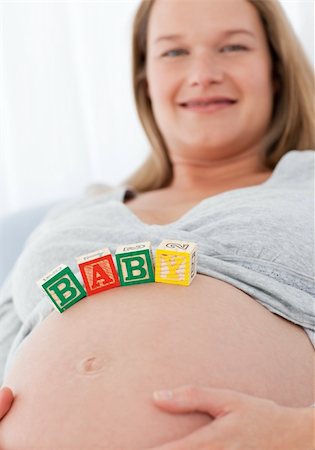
x: 98, y: 271
x: 176, y: 262
x: 135, y: 263
x: 62, y: 287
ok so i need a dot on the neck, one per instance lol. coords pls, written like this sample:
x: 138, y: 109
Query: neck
x: 203, y: 175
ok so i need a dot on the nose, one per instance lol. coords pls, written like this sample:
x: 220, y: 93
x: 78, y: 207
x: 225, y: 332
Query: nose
x: 205, y: 70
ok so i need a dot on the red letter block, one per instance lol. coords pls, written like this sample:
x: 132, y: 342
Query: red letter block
x: 98, y: 271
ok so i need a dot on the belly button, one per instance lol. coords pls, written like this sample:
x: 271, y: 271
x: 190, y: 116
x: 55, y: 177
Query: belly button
x: 91, y: 365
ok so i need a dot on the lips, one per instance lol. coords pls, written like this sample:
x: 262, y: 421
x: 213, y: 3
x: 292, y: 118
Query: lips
x: 206, y: 101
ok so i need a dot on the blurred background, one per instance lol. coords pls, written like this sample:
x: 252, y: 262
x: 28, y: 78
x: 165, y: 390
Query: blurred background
x: 67, y: 114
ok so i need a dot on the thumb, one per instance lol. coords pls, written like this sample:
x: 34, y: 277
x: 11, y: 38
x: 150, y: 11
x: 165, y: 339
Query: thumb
x: 6, y: 399
x: 215, y: 402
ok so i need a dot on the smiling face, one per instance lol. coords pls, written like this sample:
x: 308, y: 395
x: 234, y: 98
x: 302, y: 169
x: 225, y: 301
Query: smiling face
x: 220, y: 52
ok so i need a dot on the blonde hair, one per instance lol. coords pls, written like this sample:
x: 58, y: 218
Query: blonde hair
x: 292, y: 125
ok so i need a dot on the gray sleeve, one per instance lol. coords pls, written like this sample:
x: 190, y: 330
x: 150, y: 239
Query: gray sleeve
x: 10, y: 323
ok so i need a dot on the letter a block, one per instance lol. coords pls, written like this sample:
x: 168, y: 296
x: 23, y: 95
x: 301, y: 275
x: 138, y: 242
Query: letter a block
x: 98, y: 271
x: 135, y: 263
x: 176, y: 262
x: 62, y: 287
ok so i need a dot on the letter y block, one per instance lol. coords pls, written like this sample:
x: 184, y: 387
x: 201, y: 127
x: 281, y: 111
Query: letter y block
x: 176, y: 262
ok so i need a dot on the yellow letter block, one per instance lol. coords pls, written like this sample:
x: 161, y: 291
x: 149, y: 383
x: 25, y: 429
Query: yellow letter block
x: 176, y: 262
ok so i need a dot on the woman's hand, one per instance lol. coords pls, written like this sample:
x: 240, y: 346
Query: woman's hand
x: 6, y: 400
x: 241, y: 422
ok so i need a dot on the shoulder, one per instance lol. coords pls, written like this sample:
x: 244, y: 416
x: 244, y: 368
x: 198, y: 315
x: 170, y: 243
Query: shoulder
x: 93, y: 196
x: 296, y: 166
x: 76, y: 211
x: 300, y: 157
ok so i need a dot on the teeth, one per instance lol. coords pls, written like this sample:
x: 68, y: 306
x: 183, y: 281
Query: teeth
x: 206, y: 103
x: 200, y: 104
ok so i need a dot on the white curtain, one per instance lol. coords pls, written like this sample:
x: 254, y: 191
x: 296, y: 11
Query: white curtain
x: 67, y: 113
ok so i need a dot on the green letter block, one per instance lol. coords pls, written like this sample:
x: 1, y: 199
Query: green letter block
x: 62, y: 287
x: 135, y: 263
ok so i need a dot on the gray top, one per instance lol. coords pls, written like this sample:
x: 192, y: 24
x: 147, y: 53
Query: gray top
x: 259, y: 239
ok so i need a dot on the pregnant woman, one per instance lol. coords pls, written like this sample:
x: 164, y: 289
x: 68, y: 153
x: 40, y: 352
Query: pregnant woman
x: 224, y: 95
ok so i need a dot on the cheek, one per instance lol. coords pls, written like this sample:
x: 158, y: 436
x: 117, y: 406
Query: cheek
x: 262, y: 86
x: 264, y: 93
x: 162, y: 84
x: 257, y: 90
x: 257, y: 78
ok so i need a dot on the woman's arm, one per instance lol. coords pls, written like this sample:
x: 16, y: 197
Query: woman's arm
x: 240, y: 421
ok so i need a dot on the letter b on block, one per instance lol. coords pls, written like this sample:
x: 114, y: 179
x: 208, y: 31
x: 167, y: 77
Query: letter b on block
x: 62, y: 287
x: 134, y: 266
x: 135, y: 263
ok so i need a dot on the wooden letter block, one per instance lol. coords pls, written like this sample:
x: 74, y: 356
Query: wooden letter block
x: 62, y: 287
x: 98, y: 271
x: 135, y: 263
x: 176, y: 262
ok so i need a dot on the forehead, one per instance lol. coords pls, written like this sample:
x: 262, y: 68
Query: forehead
x: 204, y: 16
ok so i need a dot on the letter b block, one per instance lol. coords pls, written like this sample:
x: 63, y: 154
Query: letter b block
x: 176, y: 262
x: 135, y: 263
x: 62, y: 287
x: 98, y: 271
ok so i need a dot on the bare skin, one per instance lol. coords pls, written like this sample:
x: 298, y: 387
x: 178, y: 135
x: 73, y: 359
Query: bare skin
x: 210, y: 155
x: 108, y: 353
x: 166, y: 205
x: 210, y: 151
x: 248, y: 422
x: 6, y: 400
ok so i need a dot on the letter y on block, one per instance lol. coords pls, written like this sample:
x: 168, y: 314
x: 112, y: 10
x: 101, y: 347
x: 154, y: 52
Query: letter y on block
x: 176, y: 262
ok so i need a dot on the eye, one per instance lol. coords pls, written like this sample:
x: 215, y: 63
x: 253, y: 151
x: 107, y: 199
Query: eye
x: 172, y: 51
x: 233, y: 48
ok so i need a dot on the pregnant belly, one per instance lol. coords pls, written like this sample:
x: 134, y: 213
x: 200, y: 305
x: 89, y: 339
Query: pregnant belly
x: 84, y: 379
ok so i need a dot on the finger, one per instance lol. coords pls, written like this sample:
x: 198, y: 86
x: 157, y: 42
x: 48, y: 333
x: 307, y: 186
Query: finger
x: 6, y: 399
x: 216, y: 402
